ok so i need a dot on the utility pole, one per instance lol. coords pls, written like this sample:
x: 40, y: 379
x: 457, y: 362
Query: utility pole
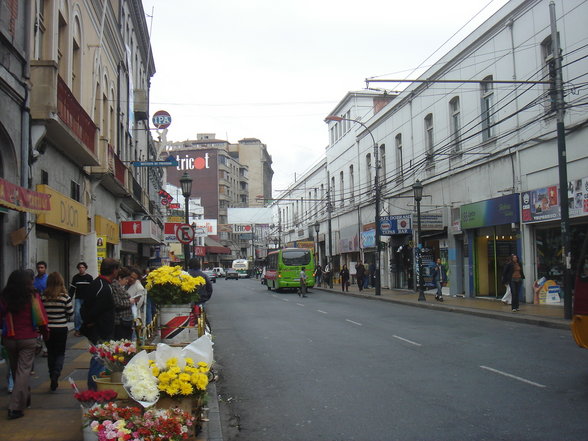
x: 329, y: 210
x: 562, y: 164
x: 279, y: 227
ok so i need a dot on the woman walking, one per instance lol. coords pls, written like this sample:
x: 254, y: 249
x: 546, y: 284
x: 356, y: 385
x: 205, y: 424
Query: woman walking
x: 59, y: 307
x: 22, y: 316
x: 344, y: 278
x: 513, y: 276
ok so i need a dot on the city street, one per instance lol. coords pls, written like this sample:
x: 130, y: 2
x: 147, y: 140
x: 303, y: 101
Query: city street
x: 332, y: 367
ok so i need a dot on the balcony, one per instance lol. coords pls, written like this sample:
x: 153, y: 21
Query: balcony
x: 111, y: 169
x: 69, y: 127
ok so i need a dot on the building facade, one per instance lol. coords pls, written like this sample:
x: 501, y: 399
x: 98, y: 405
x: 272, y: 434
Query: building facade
x: 485, y: 150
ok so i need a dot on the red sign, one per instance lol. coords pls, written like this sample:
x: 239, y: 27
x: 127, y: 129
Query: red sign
x: 200, y: 251
x: 185, y: 233
x: 131, y: 227
x: 23, y: 199
x: 175, y: 205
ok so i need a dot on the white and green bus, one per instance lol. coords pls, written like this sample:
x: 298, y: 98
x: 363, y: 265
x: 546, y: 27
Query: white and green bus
x: 242, y: 266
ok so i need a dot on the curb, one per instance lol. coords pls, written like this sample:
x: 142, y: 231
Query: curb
x: 510, y: 317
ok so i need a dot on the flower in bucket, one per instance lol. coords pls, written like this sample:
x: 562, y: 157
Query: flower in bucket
x: 172, y: 286
x: 88, y: 398
x: 181, y: 379
x: 110, y: 412
x: 115, y: 353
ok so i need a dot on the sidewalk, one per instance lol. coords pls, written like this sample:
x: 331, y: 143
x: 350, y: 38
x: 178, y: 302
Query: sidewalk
x: 542, y: 315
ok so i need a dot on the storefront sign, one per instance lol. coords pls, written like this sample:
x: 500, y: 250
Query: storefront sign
x: 543, y: 204
x: 498, y: 211
x: 107, y: 228
x: 23, y: 199
x: 101, y: 249
x: 144, y: 231
x: 368, y: 239
x: 349, y: 240
x: 396, y: 224
x: 65, y: 214
x: 455, y: 221
x: 431, y: 221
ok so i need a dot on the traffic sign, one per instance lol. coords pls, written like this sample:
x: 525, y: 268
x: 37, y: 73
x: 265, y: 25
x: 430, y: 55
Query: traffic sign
x: 161, y: 119
x: 185, y: 233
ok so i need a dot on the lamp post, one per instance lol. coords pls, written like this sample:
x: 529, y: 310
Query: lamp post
x: 317, y: 227
x: 417, y: 188
x: 377, y: 193
x: 186, y: 184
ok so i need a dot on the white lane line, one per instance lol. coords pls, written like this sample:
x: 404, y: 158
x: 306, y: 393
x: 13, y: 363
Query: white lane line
x: 407, y: 341
x: 322, y: 312
x: 355, y: 323
x: 300, y: 304
x: 506, y: 374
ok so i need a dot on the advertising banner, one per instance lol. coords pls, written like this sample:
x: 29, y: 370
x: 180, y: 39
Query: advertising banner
x: 543, y: 204
x: 497, y: 211
x: 396, y: 224
x: 100, y: 249
x: 23, y: 199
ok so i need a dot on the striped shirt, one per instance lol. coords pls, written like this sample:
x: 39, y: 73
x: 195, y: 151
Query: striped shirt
x: 58, y: 310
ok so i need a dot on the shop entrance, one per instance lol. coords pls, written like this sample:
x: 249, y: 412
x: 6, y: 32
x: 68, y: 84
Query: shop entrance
x: 494, y: 245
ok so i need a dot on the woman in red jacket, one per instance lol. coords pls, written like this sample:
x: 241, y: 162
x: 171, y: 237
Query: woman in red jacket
x: 22, y: 316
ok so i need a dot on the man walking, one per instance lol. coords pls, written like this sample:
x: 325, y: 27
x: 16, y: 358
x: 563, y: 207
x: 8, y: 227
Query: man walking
x: 79, y: 283
x: 302, y: 291
x: 40, y: 281
x: 98, y: 313
x: 439, y: 279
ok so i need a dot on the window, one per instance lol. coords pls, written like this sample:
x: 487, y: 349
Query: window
x: 549, y: 75
x: 75, y: 191
x: 368, y: 168
x: 332, y: 191
x: 487, y: 90
x: 322, y: 197
x: 76, y: 68
x: 62, y: 55
x: 351, y: 183
x: 342, y: 189
x: 399, y: 165
x: 455, y: 127
x: 44, y: 177
x: 429, y: 136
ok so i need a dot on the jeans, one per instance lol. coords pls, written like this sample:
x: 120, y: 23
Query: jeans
x: 78, y: 314
x: 56, y: 351
x: 96, y: 367
x: 515, y: 289
x: 439, y: 285
x: 366, y: 282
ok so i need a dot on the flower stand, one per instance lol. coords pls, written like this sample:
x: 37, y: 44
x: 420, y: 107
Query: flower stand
x: 177, y: 324
x: 87, y: 433
x: 108, y: 383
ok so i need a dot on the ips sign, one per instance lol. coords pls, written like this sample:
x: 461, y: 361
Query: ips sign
x: 161, y: 119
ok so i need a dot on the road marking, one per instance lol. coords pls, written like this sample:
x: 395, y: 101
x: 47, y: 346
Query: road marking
x: 506, y: 374
x: 407, y: 341
x: 355, y: 323
x: 300, y: 304
x: 322, y: 312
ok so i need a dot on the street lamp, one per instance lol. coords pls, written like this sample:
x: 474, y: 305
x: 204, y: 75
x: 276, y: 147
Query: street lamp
x: 186, y: 184
x: 417, y: 188
x: 377, y: 192
x: 317, y: 227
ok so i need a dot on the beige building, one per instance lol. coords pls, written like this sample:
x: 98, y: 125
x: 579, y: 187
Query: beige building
x: 90, y: 68
x: 253, y: 153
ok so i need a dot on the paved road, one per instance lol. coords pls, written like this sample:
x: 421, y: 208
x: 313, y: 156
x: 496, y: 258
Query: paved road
x: 333, y: 367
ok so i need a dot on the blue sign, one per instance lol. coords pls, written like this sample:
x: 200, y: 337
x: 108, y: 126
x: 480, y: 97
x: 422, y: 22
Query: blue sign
x: 170, y: 161
x: 396, y: 224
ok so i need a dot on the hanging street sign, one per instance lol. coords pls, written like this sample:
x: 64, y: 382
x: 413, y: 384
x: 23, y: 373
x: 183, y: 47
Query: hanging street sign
x: 170, y: 161
x: 185, y: 233
x: 161, y: 119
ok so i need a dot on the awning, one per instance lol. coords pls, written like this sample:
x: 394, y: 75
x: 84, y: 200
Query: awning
x: 143, y: 231
x: 22, y: 199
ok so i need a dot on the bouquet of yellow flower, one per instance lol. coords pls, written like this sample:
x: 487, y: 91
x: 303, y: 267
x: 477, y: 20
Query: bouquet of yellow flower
x: 181, y: 378
x: 172, y: 286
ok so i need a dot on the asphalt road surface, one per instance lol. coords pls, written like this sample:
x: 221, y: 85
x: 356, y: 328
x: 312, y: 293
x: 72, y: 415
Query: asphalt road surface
x: 339, y: 368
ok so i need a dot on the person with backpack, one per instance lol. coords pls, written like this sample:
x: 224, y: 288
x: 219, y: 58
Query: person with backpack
x: 98, y: 313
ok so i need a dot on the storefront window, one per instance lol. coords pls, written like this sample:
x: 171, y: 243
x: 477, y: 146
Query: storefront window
x: 548, y: 248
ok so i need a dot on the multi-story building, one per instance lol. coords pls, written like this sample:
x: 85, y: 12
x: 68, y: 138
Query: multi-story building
x: 253, y: 153
x: 90, y: 68
x: 478, y: 130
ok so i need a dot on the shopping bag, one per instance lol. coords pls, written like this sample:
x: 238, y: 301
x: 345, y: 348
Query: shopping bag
x: 507, y: 297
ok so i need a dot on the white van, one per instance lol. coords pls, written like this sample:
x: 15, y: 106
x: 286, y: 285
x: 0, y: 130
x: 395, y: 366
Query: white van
x: 219, y: 271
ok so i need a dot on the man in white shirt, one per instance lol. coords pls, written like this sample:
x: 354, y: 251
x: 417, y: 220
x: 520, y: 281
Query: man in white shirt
x: 302, y: 290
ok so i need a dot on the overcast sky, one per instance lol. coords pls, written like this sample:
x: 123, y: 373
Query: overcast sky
x: 273, y: 69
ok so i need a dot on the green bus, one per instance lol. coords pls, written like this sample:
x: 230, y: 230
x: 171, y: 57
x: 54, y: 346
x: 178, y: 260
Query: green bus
x: 282, y: 269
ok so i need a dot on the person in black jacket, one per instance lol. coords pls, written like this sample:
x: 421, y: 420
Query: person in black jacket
x: 98, y: 313
x: 79, y: 283
x: 205, y: 291
x: 513, y: 276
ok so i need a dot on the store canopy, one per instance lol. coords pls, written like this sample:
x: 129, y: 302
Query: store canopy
x: 22, y: 199
x: 214, y: 247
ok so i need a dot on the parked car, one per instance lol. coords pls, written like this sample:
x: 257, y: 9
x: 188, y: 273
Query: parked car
x: 231, y: 274
x: 219, y: 271
x: 211, y: 275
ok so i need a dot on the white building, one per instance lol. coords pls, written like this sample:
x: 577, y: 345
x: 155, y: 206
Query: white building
x: 485, y: 150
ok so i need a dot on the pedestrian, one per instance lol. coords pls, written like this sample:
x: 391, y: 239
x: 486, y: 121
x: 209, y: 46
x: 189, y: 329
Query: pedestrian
x: 204, y: 291
x: 513, y: 276
x: 40, y: 281
x: 123, y: 306
x: 344, y: 278
x: 318, y: 274
x: 372, y: 277
x: 360, y: 274
x: 302, y: 289
x: 98, y: 313
x: 507, y: 297
x: 327, y: 275
x: 78, y: 285
x: 59, y: 307
x: 137, y: 291
x: 439, y: 279
x: 22, y: 317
